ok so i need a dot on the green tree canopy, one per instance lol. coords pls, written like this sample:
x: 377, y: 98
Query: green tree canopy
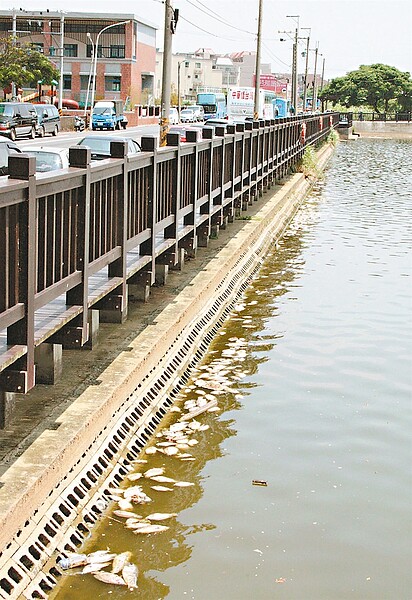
x: 23, y: 65
x: 378, y: 86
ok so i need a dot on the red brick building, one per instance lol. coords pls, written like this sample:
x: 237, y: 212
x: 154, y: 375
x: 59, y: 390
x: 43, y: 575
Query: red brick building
x: 126, y: 53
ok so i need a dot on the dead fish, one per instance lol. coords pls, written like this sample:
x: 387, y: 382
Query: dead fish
x: 139, y: 524
x: 126, y: 514
x: 72, y: 560
x: 129, y: 574
x: 165, y: 444
x: 141, y: 498
x: 110, y: 578
x: 175, y: 409
x: 131, y: 491
x: 140, y: 461
x: 125, y: 504
x: 154, y: 472
x: 130, y: 523
x: 151, y: 450
x: 134, y: 476
x: 192, y: 442
x: 187, y: 459
x: 160, y: 516
x: 183, y: 484
x: 101, y: 558
x: 120, y: 561
x: 94, y: 567
x: 161, y: 488
x: 171, y: 451
x: 163, y: 479
x: 151, y: 529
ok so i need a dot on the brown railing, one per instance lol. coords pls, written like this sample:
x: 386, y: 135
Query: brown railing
x: 71, y: 241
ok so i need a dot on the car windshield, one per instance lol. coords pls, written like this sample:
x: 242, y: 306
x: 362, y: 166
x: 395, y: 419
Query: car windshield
x: 6, y: 110
x: 46, y: 161
x: 102, y: 110
x: 187, y: 111
x: 97, y: 144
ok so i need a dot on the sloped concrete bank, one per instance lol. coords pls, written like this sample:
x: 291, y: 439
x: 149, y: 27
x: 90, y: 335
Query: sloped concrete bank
x: 52, y: 495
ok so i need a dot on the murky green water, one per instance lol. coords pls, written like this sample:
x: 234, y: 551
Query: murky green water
x: 321, y: 411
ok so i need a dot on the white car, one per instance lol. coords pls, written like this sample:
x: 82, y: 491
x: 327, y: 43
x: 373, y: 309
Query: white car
x: 48, y: 158
x: 173, y: 117
x: 187, y: 115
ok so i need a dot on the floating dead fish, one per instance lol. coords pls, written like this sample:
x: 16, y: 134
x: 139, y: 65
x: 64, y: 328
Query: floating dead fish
x: 120, y: 561
x: 165, y: 444
x: 151, y: 450
x: 160, y: 516
x: 192, y: 442
x: 130, y: 523
x: 185, y: 455
x: 110, y: 578
x: 154, y: 472
x: 101, y: 558
x: 178, y: 426
x: 202, y: 409
x: 171, y: 451
x: 175, y: 409
x: 72, y: 560
x: 195, y: 425
x: 140, y: 461
x: 98, y: 554
x: 163, y: 479
x: 141, y: 498
x: 139, y: 524
x: 183, y: 446
x: 187, y: 459
x: 151, y: 529
x: 161, y: 488
x: 125, y: 504
x: 131, y: 491
x: 134, y: 476
x: 213, y: 409
x: 126, y: 514
x: 204, y: 427
x: 129, y: 574
x: 94, y: 567
x: 183, y: 484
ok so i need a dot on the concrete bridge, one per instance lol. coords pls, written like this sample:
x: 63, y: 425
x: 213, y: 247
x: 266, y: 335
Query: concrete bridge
x: 78, y: 248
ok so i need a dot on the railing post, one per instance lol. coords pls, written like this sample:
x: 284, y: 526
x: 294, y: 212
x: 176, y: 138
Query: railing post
x: 171, y: 232
x: 190, y: 243
x: 203, y: 232
x: 149, y: 144
x: 22, y: 332
x: 80, y: 157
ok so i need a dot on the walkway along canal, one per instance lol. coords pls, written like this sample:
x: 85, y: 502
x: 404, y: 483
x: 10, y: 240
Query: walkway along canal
x: 49, y: 496
x: 317, y: 356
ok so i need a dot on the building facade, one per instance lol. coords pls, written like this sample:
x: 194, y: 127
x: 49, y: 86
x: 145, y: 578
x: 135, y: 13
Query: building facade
x: 126, y: 53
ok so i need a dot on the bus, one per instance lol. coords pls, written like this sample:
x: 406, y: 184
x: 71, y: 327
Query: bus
x: 241, y: 104
x: 214, y: 105
x: 282, y: 107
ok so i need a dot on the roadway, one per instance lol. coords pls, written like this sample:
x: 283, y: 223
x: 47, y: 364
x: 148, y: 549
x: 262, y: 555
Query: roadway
x: 66, y: 139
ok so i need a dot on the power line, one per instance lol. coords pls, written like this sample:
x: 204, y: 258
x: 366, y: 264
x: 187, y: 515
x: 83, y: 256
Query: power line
x: 218, y: 18
x: 208, y: 32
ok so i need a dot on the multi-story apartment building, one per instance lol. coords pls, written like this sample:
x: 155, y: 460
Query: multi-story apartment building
x: 189, y: 72
x: 126, y: 53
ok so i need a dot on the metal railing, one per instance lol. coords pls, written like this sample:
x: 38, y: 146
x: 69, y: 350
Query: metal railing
x: 391, y: 116
x: 72, y: 240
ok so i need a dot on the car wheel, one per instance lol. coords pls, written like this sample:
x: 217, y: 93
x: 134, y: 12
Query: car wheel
x: 55, y: 130
x: 32, y: 134
x: 124, y: 125
x: 12, y: 134
x: 42, y: 131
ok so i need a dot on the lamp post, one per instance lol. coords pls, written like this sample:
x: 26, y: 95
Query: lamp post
x: 305, y: 81
x: 295, y: 64
x: 178, y: 86
x: 61, y: 60
x: 89, y: 37
x: 96, y: 52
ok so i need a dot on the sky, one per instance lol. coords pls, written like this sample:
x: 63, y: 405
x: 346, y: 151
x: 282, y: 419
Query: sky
x: 348, y: 32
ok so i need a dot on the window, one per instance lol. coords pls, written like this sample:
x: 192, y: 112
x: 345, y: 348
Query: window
x: 67, y: 82
x: 187, y: 64
x: 117, y: 52
x: 70, y: 49
x: 112, y: 83
x: 84, y: 80
x: 198, y: 65
x: 87, y: 27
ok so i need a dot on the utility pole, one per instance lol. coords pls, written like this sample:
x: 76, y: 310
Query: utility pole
x: 295, y: 64
x: 171, y: 17
x: 321, y: 79
x: 315, y: 89
x: 13, y: 41
x: 257, y: 67
x: 61, y: 60
x: 305, y: 82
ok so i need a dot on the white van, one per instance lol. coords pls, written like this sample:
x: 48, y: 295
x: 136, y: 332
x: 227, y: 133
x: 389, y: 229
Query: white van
x: 173, y: 116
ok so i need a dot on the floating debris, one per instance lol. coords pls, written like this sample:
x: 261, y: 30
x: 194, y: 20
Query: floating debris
x: 259, y: 482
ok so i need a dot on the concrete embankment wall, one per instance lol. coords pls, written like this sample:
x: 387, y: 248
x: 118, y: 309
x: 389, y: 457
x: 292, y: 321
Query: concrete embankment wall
x: 389, y: 129
x: 51, y: 495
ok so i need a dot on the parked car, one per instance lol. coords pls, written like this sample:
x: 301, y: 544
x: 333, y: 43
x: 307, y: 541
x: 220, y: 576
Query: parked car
x: 7, y: 148
x: 182, y: 129
x: 218, y: 123
x: 48, y: 158
x: 199, y: 112
x: 173, y: 116
x: 100, y: 145
x: 48, y: 119
x: 18, y: 119
x: 187, y: 115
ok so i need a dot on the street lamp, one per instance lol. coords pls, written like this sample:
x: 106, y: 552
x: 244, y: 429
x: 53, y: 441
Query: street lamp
x: 96, y: 52
x: 178, y: 86
x: 89, y: 37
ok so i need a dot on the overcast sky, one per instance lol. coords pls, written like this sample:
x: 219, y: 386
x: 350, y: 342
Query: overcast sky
x: 349, y: 32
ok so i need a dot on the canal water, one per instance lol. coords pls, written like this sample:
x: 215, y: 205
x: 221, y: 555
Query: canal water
x: 302, y: 483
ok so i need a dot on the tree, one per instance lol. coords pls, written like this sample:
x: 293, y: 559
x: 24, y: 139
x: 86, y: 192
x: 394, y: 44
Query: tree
x: 377, y: 86
x: 23, y: 65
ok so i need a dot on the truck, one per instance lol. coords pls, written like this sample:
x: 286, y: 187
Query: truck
x: 108, y: 114
x: 241, y: 104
